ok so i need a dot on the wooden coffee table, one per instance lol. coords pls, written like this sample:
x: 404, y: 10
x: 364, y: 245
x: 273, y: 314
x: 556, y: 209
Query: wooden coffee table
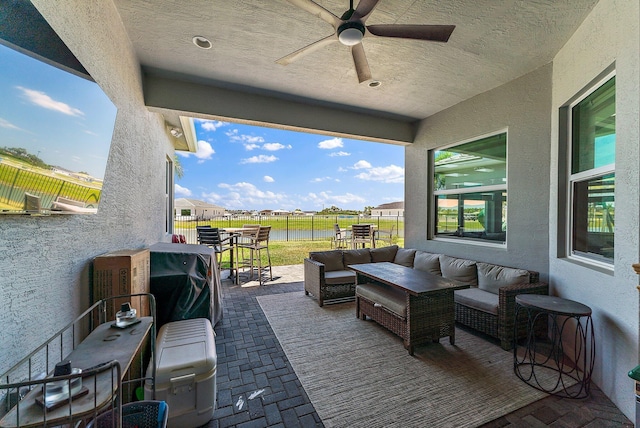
x: 430, y: 310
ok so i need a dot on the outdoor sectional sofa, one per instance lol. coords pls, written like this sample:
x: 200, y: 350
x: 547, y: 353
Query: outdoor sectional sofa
x: 488, y: 305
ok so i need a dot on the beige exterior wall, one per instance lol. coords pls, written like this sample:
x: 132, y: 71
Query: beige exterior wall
x: 608, y: 36
x: 46, y: 261
x: 528, y: 108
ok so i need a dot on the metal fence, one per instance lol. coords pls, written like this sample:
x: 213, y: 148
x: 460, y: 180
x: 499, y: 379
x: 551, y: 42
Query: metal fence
x: 288, y: 228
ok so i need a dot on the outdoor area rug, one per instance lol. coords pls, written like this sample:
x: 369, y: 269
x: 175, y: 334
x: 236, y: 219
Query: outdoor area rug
x: 358, y: 374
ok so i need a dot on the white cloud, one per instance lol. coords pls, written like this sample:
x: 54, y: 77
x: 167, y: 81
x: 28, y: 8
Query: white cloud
x: 7, y: 124
x: 259, y: 159
x: 333, y: 154
x: 245, y: 195
x: 268, y: 179
x: 235, y: 136
x: 212, y: 125
x: 333, y: 143
x: 182, y: 191
x: 250, y: 147
x: 43, y: 100
x: 205, y: 151
x: 327, y: 198
x: 361, y: 164
x: 272, y: 147
x: 385, y: 174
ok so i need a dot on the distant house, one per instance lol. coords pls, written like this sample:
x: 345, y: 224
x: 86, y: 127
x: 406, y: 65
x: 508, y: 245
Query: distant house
x: 194, y: 208
x: 394, y: 209
x: 280, y: 212
x: 265, y: 212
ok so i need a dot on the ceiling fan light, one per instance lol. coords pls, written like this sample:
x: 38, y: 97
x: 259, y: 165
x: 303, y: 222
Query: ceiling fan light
x: 350, y: 37
x: 351, y: 33
x: 202, y: 42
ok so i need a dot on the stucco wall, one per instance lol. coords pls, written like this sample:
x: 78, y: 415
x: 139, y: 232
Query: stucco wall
x: 608, y: 35
x: 521, y: 107
x: 45, y: 261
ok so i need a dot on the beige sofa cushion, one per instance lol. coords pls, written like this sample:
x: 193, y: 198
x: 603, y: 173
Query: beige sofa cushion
x: 492, y: 277
x: 354, y: 257
x: 404, y: 257
x: 383, y: 254
x: 477, y: 299
x: 340, y: 277
x: 389, y: 297
x: 428, y: 262
x: 332, y: 260
x: 459, y: 269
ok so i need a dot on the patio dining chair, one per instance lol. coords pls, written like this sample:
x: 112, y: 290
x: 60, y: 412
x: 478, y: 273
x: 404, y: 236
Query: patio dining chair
x: 386, y: 236
x: 340, y: 237
x: 362, y: 234
x: 210, y: 236
x: 258, y: 243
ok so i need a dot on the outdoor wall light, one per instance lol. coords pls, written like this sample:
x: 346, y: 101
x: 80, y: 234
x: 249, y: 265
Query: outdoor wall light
x: 176, y: 132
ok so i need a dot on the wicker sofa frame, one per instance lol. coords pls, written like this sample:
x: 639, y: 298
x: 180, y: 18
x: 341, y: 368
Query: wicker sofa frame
x: 429, y: 318
x: 316, y: 285
x: 500, y: 326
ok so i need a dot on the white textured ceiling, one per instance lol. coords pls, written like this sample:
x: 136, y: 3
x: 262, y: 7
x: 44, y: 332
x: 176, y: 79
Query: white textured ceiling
x: 494, y: 42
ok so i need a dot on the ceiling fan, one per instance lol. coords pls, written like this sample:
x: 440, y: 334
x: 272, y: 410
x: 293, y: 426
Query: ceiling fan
x: 350, y: 29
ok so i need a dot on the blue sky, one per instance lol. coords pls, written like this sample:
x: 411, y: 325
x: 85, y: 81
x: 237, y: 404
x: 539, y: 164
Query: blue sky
x: 64, y: 119
x: 68, y: 121
x: 247, y: 167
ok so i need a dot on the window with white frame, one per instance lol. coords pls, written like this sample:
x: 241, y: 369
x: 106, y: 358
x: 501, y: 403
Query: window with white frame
x: 592, y: 136
x: 169, y: 195
x: 470, y: 189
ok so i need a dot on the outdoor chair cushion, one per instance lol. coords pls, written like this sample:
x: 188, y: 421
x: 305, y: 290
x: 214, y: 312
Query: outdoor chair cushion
x: 340, y: 277
x: 404, y: 257
x: 383, y: 254
x: 477, y: 299
x: 459, y: 269
x: 391, y: 298
x: 354, y: 257
x: 428, y: 262
x: 332, y: 260
x: 492, y: 277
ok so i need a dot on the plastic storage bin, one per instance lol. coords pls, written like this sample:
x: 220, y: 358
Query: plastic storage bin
x: 140, y: 414
x: 186, y: 372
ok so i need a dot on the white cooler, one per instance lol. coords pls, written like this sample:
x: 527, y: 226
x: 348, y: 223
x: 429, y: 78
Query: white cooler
x: 186, y: 372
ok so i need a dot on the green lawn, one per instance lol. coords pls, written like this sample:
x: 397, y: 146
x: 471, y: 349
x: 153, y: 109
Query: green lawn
x: 285, y: 253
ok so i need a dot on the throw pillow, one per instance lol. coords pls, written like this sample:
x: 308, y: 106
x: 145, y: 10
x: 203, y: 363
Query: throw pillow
x: 427, y: 262
x: 332, y: 260
x: 383, y: 254
x: 492, y: 277
x: 459, y: 269
x: 405, y: 256
x: 354, y: 257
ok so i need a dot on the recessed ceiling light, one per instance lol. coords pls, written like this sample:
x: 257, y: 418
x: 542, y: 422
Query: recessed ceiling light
x: 375, y: 83
x: 202, y: 42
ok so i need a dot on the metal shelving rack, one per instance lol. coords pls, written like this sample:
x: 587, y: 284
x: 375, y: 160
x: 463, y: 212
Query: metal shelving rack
x: 105, y: 355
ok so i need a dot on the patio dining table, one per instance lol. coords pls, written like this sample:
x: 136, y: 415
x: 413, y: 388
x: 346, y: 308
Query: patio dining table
x: 234, y: 233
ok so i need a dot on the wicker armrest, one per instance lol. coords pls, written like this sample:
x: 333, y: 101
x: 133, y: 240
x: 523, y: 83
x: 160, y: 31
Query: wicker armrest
x: 507, y: 308
x: 313, y: 277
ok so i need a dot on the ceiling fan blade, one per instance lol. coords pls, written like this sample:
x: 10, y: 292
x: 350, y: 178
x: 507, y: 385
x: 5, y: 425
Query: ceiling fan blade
x: 364, y: 9
x: 288, y: 59
x: 360, y: 61
x: 317, y: 10
x: 434, y: 33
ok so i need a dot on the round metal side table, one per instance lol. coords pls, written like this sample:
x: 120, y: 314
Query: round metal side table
x: 546, y: 364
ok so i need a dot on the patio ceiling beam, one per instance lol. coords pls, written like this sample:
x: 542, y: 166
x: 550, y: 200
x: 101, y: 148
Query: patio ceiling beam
x: 174, y: 97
